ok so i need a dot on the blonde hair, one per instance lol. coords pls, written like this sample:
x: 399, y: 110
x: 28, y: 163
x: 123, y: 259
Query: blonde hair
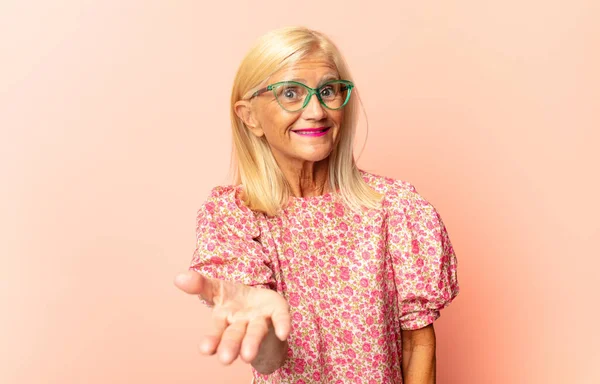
x: 253, y: 164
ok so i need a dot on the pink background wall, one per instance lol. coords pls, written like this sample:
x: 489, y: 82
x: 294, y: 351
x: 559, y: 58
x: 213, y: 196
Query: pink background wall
x: 114, y: 123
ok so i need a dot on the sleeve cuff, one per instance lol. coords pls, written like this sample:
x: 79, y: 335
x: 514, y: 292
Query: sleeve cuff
x: 416, y: 320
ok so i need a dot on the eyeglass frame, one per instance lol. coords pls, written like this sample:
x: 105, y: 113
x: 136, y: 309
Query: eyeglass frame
x: 311, y: 91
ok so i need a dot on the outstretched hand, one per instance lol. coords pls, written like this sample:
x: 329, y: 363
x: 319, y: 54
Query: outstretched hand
x: 243, y: 316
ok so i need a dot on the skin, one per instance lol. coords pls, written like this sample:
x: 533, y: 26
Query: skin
x: 418, y: 356
x: 302, y: 159
x: 252, y: 323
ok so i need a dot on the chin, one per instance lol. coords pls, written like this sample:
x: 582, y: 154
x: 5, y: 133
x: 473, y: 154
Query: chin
x: 315, y: 157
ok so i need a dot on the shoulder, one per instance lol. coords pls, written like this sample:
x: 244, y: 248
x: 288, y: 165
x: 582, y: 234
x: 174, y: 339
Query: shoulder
x: 224, y: 192
x: 387, y: 186
x: 399, y: 195
x: 225, y: 210
x: 225, y: 199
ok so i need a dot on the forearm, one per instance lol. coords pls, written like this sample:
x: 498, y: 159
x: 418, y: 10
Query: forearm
x: 271, y: 354
x: 418, y: 364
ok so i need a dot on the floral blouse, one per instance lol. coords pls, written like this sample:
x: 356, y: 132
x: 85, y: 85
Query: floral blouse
x: 353, y: 281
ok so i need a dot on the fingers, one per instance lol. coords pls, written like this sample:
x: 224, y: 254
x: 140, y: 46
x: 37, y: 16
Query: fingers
x: 210, y: 341
x: 282, y: 322
x: 231, y: 341
x: 232, y: 335
x: 272, y: 305
x: 242, y: 316
x: 257, y: 330
x: 195, y: 284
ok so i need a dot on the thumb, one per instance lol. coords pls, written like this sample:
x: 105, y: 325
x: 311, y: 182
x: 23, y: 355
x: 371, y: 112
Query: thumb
x: 195, y: 284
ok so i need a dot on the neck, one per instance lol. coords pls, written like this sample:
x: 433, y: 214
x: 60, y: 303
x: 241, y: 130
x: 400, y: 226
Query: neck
x: 308, y: 179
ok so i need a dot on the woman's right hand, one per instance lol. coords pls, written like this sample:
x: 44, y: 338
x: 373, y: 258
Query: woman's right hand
x: 247, y: 322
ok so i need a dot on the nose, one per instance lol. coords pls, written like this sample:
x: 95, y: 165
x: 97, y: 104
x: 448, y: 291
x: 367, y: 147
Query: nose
x: 314, y: 110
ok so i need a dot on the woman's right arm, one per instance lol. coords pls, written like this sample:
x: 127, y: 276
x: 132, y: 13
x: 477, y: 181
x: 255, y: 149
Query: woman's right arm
x: 252, y: 323
x: 231, y: 272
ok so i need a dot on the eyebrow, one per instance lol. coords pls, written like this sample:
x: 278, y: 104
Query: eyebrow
x: 325, y: 78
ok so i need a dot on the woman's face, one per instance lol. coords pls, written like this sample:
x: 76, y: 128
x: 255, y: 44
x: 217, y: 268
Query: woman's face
x: 266, y: 117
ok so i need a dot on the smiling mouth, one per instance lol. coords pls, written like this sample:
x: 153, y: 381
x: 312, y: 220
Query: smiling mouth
x: 311, y: 131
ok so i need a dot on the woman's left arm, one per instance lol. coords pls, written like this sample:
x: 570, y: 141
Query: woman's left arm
x: 418, y: 356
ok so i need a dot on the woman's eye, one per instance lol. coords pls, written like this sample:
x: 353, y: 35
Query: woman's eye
x: 327, y: 91
x: 290, y: 93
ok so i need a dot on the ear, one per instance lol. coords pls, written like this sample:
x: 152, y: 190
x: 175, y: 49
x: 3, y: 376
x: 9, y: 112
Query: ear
x: 244, y: 111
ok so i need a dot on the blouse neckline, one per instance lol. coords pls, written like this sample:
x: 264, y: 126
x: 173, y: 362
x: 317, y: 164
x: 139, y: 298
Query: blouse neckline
x: 312, y: 200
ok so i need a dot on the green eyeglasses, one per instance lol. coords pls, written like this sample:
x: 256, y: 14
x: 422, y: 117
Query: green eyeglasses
x: 294, y: 96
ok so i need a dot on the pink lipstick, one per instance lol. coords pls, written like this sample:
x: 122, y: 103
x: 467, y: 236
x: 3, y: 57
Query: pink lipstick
x: 312, y: 132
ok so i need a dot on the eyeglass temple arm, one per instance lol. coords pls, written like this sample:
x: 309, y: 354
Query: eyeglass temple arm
x: 261, y: 91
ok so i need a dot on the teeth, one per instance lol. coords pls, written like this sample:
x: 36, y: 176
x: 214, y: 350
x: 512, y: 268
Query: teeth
x: 311, y: 132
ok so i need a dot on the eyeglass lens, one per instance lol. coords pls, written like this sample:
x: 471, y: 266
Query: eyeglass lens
x: 292, y: 96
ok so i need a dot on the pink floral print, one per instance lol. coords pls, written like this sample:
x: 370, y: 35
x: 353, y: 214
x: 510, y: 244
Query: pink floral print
x: 353, y: 281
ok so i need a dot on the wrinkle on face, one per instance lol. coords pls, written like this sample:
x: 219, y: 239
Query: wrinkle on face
x: 303, y: 160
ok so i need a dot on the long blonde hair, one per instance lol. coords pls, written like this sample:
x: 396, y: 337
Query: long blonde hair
x: 252, y: 162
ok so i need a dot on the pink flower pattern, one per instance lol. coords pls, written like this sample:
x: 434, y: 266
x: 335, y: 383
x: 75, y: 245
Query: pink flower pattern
x: 353, y: 281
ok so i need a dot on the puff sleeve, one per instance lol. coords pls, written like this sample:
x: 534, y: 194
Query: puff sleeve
x: 226, y: 245
x: 422, y: 258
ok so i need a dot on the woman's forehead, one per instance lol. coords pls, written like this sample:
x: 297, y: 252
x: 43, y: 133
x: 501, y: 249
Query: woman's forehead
x: 308, y: 68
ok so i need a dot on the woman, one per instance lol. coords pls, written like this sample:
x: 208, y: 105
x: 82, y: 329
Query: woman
x: 316, y: 271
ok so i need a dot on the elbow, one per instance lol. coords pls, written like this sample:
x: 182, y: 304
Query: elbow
x: 423, y: 350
